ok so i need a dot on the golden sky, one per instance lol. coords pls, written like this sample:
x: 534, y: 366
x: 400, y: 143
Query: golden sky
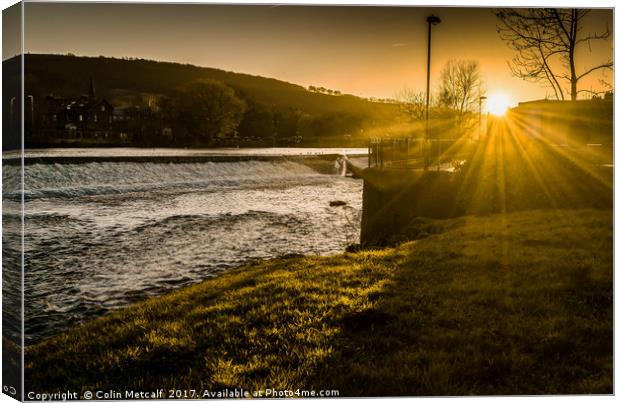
x: 367, y: 51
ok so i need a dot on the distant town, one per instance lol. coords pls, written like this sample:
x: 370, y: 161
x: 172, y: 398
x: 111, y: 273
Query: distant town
x: 91, y: 120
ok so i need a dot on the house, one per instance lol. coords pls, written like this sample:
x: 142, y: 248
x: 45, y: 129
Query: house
x: 85, y: 117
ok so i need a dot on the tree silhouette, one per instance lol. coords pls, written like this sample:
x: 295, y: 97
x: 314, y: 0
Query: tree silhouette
x: 412, y: 103
x: 460, y: 86
x: 257, y: 121
x: 209, y: 109
x: 546, y: 40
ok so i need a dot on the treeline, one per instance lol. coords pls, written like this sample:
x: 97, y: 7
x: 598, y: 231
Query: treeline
x: 209, y: 112
x: 324, y: 90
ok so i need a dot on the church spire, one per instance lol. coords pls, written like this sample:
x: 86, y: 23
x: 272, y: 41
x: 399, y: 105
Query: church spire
x: 91, y: 91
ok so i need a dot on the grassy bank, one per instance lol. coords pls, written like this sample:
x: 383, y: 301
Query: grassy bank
x: 504, y: 304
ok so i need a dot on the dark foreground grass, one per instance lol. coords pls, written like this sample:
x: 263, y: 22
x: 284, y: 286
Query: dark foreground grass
x: 504, y: 304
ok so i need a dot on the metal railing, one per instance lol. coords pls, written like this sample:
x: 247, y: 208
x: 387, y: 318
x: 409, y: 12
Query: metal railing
x: 408, y: 152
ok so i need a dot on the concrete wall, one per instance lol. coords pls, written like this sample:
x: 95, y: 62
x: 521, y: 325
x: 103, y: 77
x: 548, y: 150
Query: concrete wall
x: 395, y: 202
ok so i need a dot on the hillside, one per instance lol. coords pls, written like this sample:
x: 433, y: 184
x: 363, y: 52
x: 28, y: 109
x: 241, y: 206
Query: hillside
x: 270, y: 111
x: 69, y: 76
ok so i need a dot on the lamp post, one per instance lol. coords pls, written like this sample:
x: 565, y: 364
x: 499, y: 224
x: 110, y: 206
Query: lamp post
x: 482, y: 98
x: 431, y: 20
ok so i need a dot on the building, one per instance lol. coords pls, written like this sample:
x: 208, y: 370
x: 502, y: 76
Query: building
x: 582, y: 122
x: 85, y: 117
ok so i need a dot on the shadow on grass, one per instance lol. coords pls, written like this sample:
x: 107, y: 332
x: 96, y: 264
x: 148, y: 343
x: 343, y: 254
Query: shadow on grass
x: 514, y: 305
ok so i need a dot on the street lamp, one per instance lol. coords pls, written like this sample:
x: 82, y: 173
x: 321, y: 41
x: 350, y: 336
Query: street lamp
x: 432, y: 20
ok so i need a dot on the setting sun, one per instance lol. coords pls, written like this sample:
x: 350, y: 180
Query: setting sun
x: 498, y: 104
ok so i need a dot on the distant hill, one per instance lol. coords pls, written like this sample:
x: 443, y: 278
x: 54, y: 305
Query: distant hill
x: 116, y: 79
x: 319, y: 118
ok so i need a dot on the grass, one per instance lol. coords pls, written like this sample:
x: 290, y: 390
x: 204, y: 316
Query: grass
x: 516, y: 303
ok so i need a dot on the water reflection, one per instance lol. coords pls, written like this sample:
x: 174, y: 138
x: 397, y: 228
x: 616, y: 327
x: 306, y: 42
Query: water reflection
x: 100, y: 236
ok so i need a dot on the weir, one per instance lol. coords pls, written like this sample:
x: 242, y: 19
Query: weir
x: 346, y: 165
x: 164, y: 159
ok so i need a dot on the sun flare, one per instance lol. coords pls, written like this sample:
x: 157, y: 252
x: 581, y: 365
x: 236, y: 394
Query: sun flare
x: 498, y: 104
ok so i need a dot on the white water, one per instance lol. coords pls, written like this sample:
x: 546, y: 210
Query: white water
x: 74, y: 180
x: 183, y: 152
x: 100, y: 236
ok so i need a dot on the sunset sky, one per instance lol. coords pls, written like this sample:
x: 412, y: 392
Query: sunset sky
x: 367, y: 51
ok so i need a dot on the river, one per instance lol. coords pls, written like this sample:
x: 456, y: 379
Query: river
x: 103, y: 235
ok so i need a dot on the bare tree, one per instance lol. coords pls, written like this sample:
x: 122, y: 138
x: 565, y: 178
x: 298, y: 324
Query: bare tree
x: 412, y: 103
x: 460, y: 89
x: 546, y: 41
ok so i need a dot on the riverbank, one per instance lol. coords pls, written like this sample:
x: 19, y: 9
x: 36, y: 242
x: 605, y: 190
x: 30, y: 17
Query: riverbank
x: 516, y: 303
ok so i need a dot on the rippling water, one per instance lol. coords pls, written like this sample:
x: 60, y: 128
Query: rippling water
x: 100, y: 236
